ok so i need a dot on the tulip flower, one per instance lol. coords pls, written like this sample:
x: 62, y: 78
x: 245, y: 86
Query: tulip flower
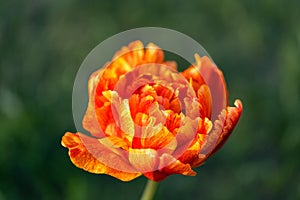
x: 144, y: 117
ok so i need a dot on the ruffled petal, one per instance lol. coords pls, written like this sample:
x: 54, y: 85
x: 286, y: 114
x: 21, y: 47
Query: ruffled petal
x: 86, y: 153
x: 133, y: 54
x: 222, y: 129
x: 214, y: 78
x: 209, y: 84
x: 168, y: 165
x: 153, y: 54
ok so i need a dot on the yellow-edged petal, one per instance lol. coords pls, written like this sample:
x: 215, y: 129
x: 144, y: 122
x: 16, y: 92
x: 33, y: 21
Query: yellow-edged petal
x: 86, y: 153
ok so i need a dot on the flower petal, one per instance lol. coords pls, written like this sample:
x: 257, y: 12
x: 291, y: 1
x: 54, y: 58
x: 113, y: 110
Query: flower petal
x: 173, y: 166
x: 168, y: 165
x: 213, y: 77
x: 93, y: 120
x: 90, y: 122
x: 153, y: 54
x: 185, y: 135
x: 191, y: 155
x: 204, y: 98
x: 144, y: 160
x: 159, y: 140
x: 133, y: 54
x: 194, y: 77
x: 97, y: 101
x: 86, y: 153
x: 222, y: 129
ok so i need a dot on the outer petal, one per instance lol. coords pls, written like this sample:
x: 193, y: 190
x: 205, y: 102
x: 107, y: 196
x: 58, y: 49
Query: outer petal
x: 84, y: 151
x: 222, y: 130
x: 153, y: 54
x: 133, y: 54
x: 90, y: 122
x: 93, y: 120
x: 168, y: 165
x: 213, y: 77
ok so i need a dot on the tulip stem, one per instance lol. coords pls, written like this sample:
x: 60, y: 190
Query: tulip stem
x: 150, y: 190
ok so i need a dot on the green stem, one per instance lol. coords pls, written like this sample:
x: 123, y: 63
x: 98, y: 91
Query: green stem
x: 150, y: 190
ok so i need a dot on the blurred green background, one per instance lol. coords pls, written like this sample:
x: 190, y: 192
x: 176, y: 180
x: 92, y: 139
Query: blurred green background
x: 255, y: 43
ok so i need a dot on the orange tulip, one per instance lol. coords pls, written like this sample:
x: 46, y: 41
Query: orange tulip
x: 145, y: 118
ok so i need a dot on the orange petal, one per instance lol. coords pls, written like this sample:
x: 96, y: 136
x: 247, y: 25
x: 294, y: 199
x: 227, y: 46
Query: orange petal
x: 141, y: 119
x: 153, y: 54
x: 113, y: 143
x: 185, y: 135
x: 133, y: 54
x: 108, y: 78
x: 119, y: 67
x: 144, y: 160
x: 191, y: 155
x: 86, y: 153
x: 204, y: 98
x: 122, y: 117
x: 213, y: 77
x: 173, y: 166
x: 193, y: 76
x: 90, y: 122
x: 159, y: 140
x: 93, y: 120
x: 93, y: 82
x: 173, y: 121
x: 140, y: 105
x: 96, y: 100
x: 171, y: 64
x: 137, y: 53
x: 168, y: 165
x: 222, y: 129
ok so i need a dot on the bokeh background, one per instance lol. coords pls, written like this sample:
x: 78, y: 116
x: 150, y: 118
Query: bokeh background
x: 255, y: 43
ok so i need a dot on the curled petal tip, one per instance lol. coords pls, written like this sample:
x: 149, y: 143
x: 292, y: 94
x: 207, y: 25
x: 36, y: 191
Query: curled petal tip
x: 238, y: 104
x: 198, y: 60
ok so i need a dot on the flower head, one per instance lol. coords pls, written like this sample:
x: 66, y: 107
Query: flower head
x: 146, y: 118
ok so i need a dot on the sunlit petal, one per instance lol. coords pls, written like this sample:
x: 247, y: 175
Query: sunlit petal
x: 87, y: 158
